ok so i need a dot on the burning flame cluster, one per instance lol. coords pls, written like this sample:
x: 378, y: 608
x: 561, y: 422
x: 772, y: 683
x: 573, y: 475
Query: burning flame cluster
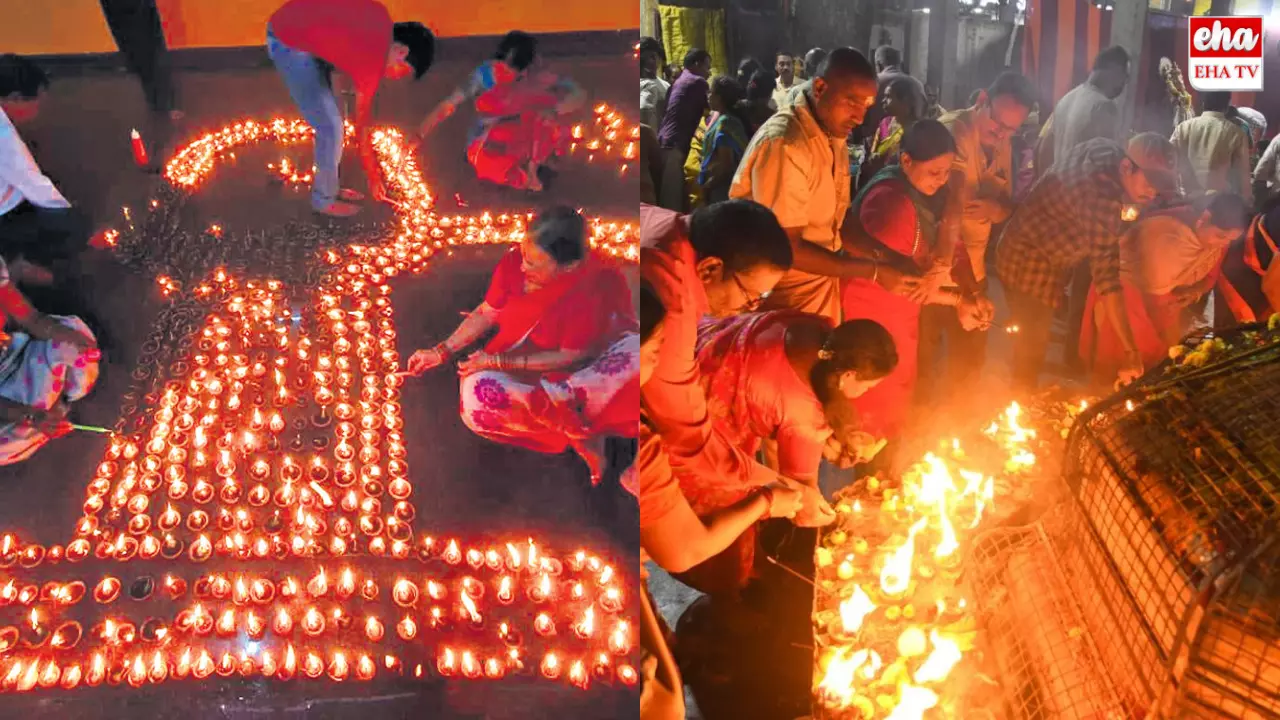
x: 277, y: 444
x: 892, y: 620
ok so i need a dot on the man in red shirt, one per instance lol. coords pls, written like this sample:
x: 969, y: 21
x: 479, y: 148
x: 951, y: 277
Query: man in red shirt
x: 309, y: 39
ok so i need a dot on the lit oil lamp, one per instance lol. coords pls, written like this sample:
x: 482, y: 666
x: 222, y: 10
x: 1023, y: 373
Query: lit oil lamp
x: 404, y: 593
x: 373, y: 629
x: 586, y: 628
x: 97, y: 670
x: 578, y: 675
x: 201, y: 549
x: 313, y: 666
x: 169, y: 519
x: 282, y: 625
x: 174, y: 587
x: 611, y: 600
x: 313, y: 622
x: 550, y: 667
x: 318, y: 586
x: 149, y: 547
x: 71, y: 677
x: 544, y: 625
x: 452, y: 554
x: 261, y: 591
x: 107, y: 590
x: 204, y: 666
x: 259, y: 495
x: 471, y: 668
x: 447, y: 662
x: 254, y: 626
x: 407, y: 628
x: 197, y: 520
x: 541, y: 591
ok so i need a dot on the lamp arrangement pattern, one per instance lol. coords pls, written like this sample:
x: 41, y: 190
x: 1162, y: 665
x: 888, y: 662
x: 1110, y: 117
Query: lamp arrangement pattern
x: 252, y: 515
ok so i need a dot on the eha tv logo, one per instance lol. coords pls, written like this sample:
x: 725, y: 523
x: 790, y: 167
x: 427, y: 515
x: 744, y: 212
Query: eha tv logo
x: 1225, y: 53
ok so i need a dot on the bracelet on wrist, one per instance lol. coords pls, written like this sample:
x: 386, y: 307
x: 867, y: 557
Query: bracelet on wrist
x: 766, y: 492
x: 445, y: 353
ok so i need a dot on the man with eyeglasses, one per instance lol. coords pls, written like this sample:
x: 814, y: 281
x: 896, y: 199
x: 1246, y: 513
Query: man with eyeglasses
x: 1078, y: 212
x: 983, y: 175
x: 720, y: 261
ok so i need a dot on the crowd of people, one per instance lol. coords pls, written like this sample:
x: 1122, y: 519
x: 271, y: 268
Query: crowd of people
x: 804, y: 303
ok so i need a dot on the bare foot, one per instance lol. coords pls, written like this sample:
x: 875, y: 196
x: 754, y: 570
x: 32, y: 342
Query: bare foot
x: 339, y: 209
x: 591, y: 450
x: 349, y: 195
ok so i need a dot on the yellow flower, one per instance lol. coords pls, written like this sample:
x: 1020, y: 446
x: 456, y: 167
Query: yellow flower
x: 1177, y: 351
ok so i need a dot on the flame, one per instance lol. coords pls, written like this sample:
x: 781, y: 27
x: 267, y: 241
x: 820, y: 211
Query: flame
x: 469, y: 606
x: 853, y: 610
x: 896, y: 575
x: 913, y: 703
x: 837, y: 683
x: 946, y: 653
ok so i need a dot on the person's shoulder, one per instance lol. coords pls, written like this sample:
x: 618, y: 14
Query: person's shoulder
x: 888, y: 196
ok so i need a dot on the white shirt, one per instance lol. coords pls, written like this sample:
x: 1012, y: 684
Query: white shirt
x: 653, y: 101
x: 20, y: 176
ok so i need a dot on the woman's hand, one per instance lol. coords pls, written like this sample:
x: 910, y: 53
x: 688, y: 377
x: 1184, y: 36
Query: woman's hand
x: 814, y: 511
x: 424, y: 360
x: 787, y: 500
x: 1132, y: 369
x: 51, y: 422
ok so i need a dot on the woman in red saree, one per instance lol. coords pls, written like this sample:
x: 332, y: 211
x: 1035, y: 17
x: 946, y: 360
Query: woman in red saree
x: 789, y: 377
x: 900, y: 210
x: 1169, y: 261
x: 563, y: 369
x: 518, y: 131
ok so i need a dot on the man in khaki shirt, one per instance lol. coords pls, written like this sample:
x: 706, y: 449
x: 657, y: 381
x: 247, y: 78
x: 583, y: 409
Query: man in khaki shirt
x: 983, y: 175
x: 1215, y: 148
x: 785, y: 67
x: 797, y: 165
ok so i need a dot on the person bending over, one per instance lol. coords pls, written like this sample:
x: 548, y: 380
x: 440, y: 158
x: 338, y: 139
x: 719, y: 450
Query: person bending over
x: 556, y: 306
x: 672, y: 534
x: 519, y: 105
x: 791, y: 378
x: 47, y: 363
x: 308, y: 40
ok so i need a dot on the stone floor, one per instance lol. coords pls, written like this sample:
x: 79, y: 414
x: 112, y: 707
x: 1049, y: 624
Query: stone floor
x: 463, y: 484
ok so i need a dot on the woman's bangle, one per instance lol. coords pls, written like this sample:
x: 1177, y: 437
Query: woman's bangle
x: 445, y: 353
x: 766, y: 492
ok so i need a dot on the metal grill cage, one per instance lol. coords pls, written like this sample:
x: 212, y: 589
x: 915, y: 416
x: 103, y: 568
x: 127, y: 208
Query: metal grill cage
x: 1154, y: 591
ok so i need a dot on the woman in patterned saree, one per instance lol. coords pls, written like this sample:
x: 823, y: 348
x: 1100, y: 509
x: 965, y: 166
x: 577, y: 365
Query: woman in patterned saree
x: 49, y: 362
x: 519, y: 104
x: 788, y: 377
x: 561, y: 370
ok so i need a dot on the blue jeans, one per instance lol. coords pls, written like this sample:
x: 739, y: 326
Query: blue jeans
x: 309, y: 87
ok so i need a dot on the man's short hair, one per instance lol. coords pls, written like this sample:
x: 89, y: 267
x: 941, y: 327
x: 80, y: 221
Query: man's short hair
x: 19, y: 76
x: 695, y: 57
x: 421, y: 43
x: 845, y: 63
x: 1215, y: 101
x: 785, y: 54
x: 653, y: 45
x: 1015, y: 86
x: 1113, y: 58
x: 812, y: 60
x: 744, y: 234
x: 888, y: 55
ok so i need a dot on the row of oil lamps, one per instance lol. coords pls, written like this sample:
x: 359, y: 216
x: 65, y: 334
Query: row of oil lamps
x: 23, y: 674
x: 34, y: 629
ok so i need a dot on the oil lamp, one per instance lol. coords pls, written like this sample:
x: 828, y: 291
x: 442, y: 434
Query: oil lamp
x: 373, y: 629
x: 282, y: 625
x: 226, y: 625
x: 452, y: 554
x: 447, y: 662
x: 365, y: 668
x: 544, y: 625
x: 404, y: 593
x: 107, y: 590
x: 313, y: 666
x: 313, y: 622
x: 407, y: 628
x: 550, y: 666
x: 611, y: 600
x: 201, y: 548
x: 318, y: 586
x: 541, y: 591
x: 197, y: 520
